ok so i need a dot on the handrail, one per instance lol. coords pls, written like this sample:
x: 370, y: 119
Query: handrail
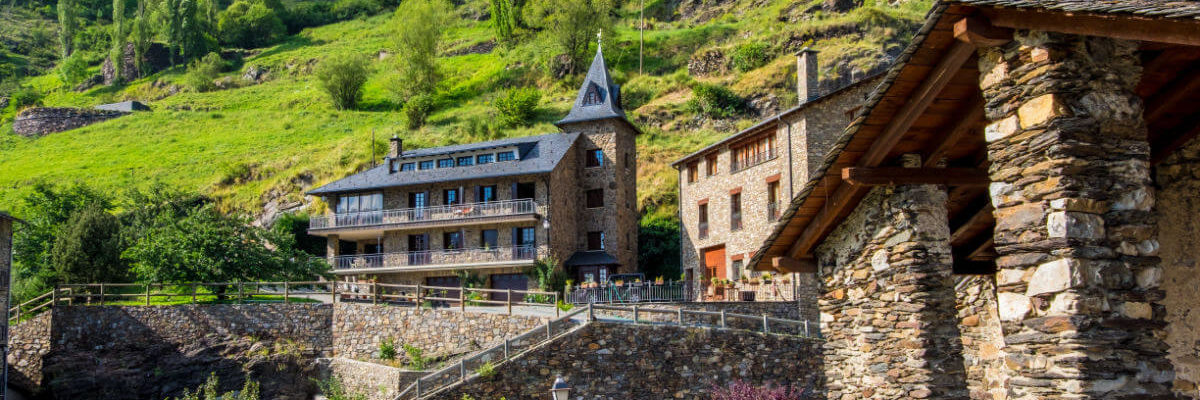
x: 752, y: 159
x: 804, y: 328
x: 435, y: 257
x: 425, y: 214
x: 418, y: 391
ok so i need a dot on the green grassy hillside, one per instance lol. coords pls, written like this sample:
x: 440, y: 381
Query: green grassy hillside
x: 253, y: 144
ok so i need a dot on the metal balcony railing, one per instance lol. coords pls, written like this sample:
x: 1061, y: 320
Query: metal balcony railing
x: 773, y: 211
x: 735, y: 221
x: 751, y: 160
x: 424, y: 214
x: 703, y: 230
x: 434, y: 257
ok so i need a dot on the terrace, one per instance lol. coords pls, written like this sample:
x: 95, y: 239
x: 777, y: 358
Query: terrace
x: 435, y: 260
x: 522, y: 210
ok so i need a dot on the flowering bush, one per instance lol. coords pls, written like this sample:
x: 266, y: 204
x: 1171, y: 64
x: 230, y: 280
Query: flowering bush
x: 739, y: 390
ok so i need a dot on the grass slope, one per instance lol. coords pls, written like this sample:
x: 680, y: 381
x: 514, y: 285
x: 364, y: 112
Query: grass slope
x: 249, y: 145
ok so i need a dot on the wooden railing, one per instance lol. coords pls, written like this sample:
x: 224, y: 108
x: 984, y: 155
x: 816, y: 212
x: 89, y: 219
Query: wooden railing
x: 267, y: 292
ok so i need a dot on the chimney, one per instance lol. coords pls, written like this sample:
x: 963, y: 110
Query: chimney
x: 396, y: 148
x: 806, y: 75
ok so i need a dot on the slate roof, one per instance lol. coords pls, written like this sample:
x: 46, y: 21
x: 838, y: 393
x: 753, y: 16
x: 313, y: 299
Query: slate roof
x: 591, y: 258
x: 775, y: 118
x: 537, y: 155
x: 126, y: 106
x: 1147, y: 8
x: 610, y: 95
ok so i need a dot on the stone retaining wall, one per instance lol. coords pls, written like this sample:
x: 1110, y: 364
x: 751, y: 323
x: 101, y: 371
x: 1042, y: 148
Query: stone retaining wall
x: 358, y: 329
x: 28, y: 343
x: 1177, y: 206
x: 43, y: 120
x: 377, y: 382
x: 638, y: 361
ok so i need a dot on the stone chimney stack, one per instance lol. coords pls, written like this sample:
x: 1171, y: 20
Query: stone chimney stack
x: 806, y: 75
x: 396, y: 148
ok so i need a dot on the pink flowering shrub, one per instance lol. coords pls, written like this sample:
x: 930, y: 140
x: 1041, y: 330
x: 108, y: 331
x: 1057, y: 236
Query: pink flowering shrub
x: 739, y: 390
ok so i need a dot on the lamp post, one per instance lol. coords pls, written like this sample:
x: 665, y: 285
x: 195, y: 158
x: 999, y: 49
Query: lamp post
x: 560, y: 390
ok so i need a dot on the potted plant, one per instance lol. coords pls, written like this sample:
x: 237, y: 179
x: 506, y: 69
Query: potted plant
x: 745, y: 279
x: 766, y: 278
x: 754, y: 281
x: 785, y: 280
x: 658, y: 281
x: 620, y: 282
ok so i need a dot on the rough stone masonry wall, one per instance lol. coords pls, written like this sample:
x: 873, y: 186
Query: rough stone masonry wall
x: 44, y: 120
x: 627, y: 361
x: 358, y: 329
x: 618, y: 219
x: 888, y: 297
x: 982, y: 338
x: 28, y: 344
x: 375, y: 381
x: 1079, y: 292
x: 1179, y: 234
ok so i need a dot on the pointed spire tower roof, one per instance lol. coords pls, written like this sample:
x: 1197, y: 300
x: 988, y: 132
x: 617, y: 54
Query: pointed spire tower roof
x: 598, y: 97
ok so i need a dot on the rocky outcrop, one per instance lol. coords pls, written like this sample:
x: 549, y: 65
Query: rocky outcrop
x: 156, y: 58
x: 711, y: 62
x: 40, y: 121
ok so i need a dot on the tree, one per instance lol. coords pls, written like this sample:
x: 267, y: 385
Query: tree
x: 202, y: 72
x: 571, y: 25
x: 184, y: 30
x: 206, y: 246
x: 503, y: 20
x: 549, y: 277
x: 66, y: 21
x: 342, y: 77
x: 72, y: 69
x: 118, y: 34
x: 141, y: 33
x: 419, y: 27
x: 517, y: 107
x: 249, y: 24
x: 296, y: 225
x: 88, y: 250
x: 47, y: 209
x: 658, y: 247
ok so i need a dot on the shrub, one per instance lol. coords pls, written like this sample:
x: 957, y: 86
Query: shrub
x: 416, y: 109
x: 387, y: 349
x: 208, y: 391
x: 250, y: 23
x: 348, y: 9
x: 749, y: 56
x: 73, y: 69
x: 486, y: 371
x: 416, y: 357
x: 715, y: 101
x: 517, y: 107
x: 342, y: 78
x: 334, y: 389
x: 308, y: 14
x: 739, y: 390
x: 26, y: 97
x: 202, y: 72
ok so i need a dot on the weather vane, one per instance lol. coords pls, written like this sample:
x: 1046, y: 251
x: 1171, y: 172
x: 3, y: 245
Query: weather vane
x: 599, y: 38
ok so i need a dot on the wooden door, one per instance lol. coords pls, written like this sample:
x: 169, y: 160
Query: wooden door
x: 714, y: 263
x: 445, y: 282
x: 509, y: 281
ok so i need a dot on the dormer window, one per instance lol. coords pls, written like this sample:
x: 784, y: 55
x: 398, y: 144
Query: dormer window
x: 426, y: 164
x: 593, y: 96
x: 408, y: 166
x: 506, y: 156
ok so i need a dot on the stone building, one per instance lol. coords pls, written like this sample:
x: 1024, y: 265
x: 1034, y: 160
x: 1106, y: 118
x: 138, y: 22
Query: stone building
x: 493, y: 208
x: 1013, y: 213
x: 6, y: 249
x: 731, y: 192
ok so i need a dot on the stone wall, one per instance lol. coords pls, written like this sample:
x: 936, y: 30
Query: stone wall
x: 375, y: 381
x: 886, y: 274
x: 43, y: 120
x: 628, y: 361
x: 777, y: 309
x: 982, y: 338
x: 358, y: 329
x: 28, y: 344
x: 618, y: 219
x: 1177, y: 206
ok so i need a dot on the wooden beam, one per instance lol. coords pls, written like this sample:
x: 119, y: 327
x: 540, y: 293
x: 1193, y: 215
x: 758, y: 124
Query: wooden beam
x: 836, y: 206
x: 979, y: 33
x: 788, y: 264
x: 1175, y: 139
x: 1164, y: 30
x: 983, y: 251
x: 972, y: 117
x: 883, y: 176
x: 977, y: 220
x: 1187, y: 83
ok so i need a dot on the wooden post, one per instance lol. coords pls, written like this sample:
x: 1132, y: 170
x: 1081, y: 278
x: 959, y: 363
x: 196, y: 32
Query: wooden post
x: 418, y: 297
x: 462, y: 369
x: 505, y: 347
x: 557, y: 311
x: 508, y: 301
x: 418, y: 388
x: 722, y: 318
x: 241, y: 289
x: 333, y: 291
x: 54, y: 296
x: 806, y: 327
x: 635, y: 313
x: 147, y: 294
x: 102, y: 294
x: 766, y: 329
x: 591, y: 313
x: 462, y: 299
x: 680, y: 310
x: 374, y: 292
x: 286, y: 292
x: 18, y: 321
x: 549, y: 330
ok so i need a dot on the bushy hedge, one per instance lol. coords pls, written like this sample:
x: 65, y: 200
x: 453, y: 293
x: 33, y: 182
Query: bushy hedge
x: 715, y: 101
x: 250, y: 24
x: 518, y: 107
x: 748, y: 56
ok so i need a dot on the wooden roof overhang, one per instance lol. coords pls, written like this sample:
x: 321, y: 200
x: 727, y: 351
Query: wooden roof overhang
x: 929, y: 104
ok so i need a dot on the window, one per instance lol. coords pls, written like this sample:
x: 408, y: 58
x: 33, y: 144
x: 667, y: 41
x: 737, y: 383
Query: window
x: 595, y: 241
x: 484, y: 159
x: 595, y: 158
x: 592, y: 96
x: 446, y: 163
x: 526, y: 190
x: 751, y: 153
x: 451, y: 196
x: 710, y: 165
x: 506, y: 156
x: 359, y: 203
x: 525, y: 237
x: 703, y: 221
x: 465, y: 161
x: 489, y: 238
x: 772, y: 200
x: 735, y: 212
x: 417, y: 200
x: 737, y: 269
x: 486, y: 194
x: 408, y: 166
x: 427, y: 164
x: 452, y: 240
x: 595, y: 198
x: 693, y: 172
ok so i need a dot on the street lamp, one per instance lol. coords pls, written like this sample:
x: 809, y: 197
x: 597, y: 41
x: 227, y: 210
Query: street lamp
x: 560, y: 390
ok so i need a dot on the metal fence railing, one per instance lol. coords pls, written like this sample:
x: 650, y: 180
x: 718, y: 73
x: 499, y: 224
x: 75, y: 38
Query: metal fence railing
x: 424, y: 214
x: 435, y: 257
x: 646, y: 292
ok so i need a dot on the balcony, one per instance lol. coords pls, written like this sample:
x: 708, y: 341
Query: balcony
x: 751, y: 160
x: 429, y: 217
x: 773, y: 211
x: 703, y: 230
x: 434, y: 260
